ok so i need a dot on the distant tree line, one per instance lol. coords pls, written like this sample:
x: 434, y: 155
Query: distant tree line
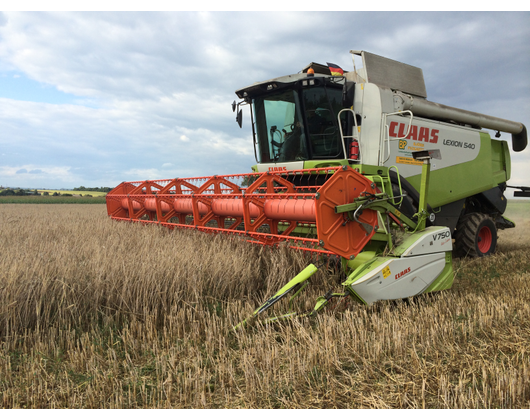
x: 18, y: 191
x: 101, y: 189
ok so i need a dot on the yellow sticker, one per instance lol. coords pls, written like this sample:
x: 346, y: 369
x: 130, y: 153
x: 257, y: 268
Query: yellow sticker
x: 408, y: 160
x: 386, y: 271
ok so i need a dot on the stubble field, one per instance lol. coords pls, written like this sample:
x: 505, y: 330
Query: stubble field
x: 101, y: 314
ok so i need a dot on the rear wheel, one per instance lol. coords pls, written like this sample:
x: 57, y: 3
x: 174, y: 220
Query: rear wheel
x: 476, y: 236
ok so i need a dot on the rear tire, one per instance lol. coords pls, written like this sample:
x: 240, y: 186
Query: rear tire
x: 475, y: 236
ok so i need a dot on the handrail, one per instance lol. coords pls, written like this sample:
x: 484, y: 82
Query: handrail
x: 354, y: 136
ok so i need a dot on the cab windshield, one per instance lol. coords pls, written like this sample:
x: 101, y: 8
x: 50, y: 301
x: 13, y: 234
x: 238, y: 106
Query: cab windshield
x: 279, y: 128
x: 294, y: 125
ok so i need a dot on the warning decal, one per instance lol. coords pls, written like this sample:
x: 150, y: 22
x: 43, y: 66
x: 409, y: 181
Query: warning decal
x: 407, y: 160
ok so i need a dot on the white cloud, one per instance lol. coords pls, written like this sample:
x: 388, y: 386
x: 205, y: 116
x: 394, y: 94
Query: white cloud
x: 140, y: 174
x: 33, y: 176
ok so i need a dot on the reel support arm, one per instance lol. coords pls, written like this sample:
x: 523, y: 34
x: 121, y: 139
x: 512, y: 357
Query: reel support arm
x: 380, y: 204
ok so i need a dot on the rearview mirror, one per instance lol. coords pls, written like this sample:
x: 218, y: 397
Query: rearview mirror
x: 347, y: 94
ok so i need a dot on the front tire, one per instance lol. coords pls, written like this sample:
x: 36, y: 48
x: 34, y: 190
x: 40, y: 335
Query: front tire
x: 475, y: 236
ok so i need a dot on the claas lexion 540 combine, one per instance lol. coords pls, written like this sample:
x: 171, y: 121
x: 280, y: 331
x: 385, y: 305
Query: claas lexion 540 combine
x: 357, y: 165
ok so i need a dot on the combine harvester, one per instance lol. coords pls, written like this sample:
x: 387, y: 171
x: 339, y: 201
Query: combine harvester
x: 358, y: 165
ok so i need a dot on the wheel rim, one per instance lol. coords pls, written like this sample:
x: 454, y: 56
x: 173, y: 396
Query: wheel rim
x: 485, y: 239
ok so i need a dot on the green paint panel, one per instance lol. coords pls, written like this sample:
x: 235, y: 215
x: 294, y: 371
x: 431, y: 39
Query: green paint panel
x: 487, y: 170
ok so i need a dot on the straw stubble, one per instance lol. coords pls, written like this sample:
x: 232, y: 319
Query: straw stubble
x: 101, y: 314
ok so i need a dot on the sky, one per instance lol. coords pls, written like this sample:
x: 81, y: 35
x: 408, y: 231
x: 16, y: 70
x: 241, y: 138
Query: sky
x: 96, y: 98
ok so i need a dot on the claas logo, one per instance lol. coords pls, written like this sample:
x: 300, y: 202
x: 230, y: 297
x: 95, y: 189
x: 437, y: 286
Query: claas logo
x: 416, y: 133
x: 402, y: 273
x: 402, y: 144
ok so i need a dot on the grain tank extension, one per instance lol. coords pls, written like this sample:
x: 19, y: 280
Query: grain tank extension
x: 355, y: 165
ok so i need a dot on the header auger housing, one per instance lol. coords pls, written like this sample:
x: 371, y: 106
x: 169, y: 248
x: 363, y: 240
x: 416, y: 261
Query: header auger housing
x: 344, y: 169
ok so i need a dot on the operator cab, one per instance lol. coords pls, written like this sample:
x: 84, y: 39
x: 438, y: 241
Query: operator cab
x: 295, y: 118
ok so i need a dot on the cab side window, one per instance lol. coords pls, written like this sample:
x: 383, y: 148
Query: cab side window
x: 321, y: 117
